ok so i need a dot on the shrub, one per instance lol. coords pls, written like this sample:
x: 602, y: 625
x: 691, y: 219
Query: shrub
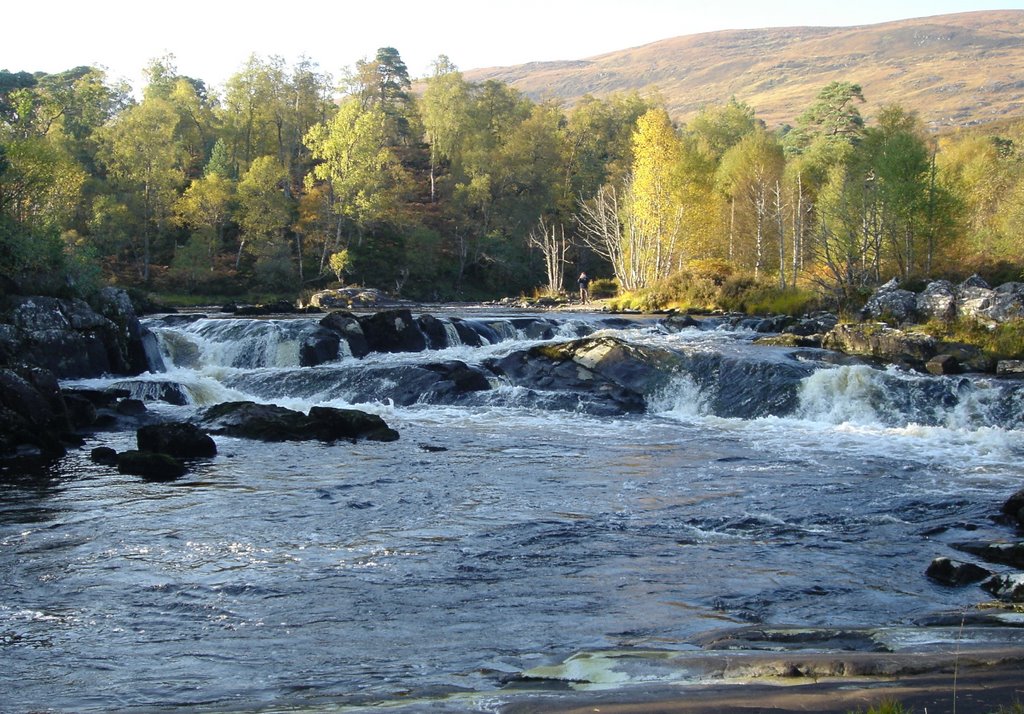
x: 604, y: 288
x: 1004, y: 341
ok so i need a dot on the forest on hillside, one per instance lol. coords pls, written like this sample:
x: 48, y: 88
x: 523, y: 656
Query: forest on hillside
x: 289, y: 180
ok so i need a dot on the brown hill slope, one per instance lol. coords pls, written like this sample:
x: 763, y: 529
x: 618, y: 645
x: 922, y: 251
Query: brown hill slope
x: 955, y: 70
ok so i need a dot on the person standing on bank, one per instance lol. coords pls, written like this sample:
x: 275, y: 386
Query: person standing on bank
x: 584, y: 282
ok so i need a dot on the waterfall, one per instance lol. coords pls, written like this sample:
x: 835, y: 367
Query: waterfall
x: 867, y: 396
x: 451, y: 333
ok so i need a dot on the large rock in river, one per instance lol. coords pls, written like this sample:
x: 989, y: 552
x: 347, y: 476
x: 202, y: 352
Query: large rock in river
x: 183, y: 440
x: 600, y: 375
x: 267, y: 422
x: 33, y: 416
x: 71, y: 339
x: 878, y: 340
x: 392, y: 331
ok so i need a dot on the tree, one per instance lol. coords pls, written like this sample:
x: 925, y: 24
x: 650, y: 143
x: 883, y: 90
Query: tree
x: 553, y: 245
x: 834, y: 113
x: 655, y: 206
x: 601, y: 230
x: 340, y: 262
x: 264, y: 210
x: 444, y: 110
x: 599, y: 136
x: 383, y: 83
x: 719, y: 128
x: 144, y: 161
x: 353, y: 153
x: 206, y: 208
x: 750, y: 171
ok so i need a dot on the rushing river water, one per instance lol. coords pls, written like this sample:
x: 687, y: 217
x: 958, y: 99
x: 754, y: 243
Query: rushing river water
x: 494, y: 537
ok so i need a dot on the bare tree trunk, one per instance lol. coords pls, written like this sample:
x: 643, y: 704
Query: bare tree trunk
x: 780, y: 220
x: 554, y: 247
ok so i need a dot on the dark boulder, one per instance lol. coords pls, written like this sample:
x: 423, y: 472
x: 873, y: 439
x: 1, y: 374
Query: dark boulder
x: 279, y: 307
x: 534, y: 328
x: 319, y: 347
x: 955, y: 572
x: 151, y: 466
x: 347, y: 326
x: 72, y: 340
x: 599, y: 375
x: 33, y: 416
x: 131, y: 407
x: 392, y: 331
x: 136, y: 343
x: 892, y: 304
x: 150, y: 390
x: 268, y: 422
x: 104, y: 455
x: 968, y: 357
x: 331, y: 424
x: 434, y: 330
x: 943, y: 364
x: 677, y: 323
x: 878, y: 340
x: 182, y: 440
x: 456, y: 378
x: 1014, y: 507
x: 1011, y: 554
x: 468, y: 332
x: 815, y: 324
x: 1009, y: 588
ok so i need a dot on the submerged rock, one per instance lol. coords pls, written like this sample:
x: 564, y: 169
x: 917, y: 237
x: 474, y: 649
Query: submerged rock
x: 1001, y: 553
x: 954, y: 572
x: 150, y: 465
x: 182, y: 440
x: 267, y: 422
x: 1006, y: 587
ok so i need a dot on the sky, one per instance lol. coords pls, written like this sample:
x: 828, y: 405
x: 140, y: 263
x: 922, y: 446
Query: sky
x: 212, y: 39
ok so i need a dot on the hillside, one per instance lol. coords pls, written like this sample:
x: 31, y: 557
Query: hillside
x: 955, y: 70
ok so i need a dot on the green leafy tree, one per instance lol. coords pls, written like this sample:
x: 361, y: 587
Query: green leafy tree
x: 751, y: 171
x: 444, y: 111
x: 264, y: 211
x: 144, y: 162
x: 340, y: 262
x: 366, y: 177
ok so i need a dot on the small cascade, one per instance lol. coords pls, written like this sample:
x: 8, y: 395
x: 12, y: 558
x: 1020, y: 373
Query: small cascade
x: 867, y: 396
x: 451, y: 334
x: 238, y: 343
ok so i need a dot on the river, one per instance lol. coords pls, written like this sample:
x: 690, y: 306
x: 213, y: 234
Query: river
x: 498, y: 535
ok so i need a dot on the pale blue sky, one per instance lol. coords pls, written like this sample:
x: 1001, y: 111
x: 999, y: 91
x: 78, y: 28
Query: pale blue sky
x: 212, y: 38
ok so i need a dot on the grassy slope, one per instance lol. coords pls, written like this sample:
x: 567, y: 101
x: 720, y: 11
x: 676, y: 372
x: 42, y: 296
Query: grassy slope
x: 955, y: 70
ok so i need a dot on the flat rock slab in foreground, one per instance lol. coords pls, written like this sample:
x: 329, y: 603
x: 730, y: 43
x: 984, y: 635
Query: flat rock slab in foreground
x: 939, y: 683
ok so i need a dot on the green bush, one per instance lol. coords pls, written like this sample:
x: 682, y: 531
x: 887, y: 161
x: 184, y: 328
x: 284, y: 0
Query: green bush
x: 1002, y: 341
x: 601, y: 288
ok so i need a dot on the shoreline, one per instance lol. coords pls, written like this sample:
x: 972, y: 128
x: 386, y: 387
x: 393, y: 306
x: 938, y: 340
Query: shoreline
x: 974, y: 681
